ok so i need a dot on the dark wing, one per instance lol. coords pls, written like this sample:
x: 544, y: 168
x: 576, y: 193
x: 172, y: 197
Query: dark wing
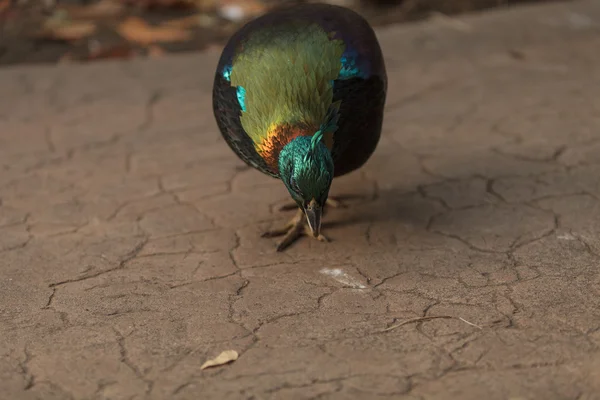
x: 361, y: 87
x: 359, y: 126
x: 227, y: 113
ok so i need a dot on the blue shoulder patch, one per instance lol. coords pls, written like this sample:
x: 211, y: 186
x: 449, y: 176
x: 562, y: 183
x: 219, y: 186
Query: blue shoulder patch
x: 241, y: 96
x: 227, y: 72
x: 240, y: 91
x: 351, y: 67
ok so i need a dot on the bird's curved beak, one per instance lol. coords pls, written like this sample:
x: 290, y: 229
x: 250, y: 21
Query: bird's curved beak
x: 313, y: 213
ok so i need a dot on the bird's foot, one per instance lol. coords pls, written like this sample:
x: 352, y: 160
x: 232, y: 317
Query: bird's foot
x: 292, y: 231
x: 331, y: 202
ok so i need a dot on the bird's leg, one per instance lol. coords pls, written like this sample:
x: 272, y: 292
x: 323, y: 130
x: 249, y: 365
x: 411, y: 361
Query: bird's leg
x: 292, y: 231
x: 331, y: 202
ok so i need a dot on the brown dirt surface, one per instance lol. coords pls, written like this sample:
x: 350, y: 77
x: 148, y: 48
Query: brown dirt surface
x: 130, y: 249
x: 50, y: 31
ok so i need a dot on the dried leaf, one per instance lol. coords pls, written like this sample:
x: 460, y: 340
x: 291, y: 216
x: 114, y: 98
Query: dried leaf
x: 223, y: 358
x: 137, y: 30
x: 101, y: 9
x: 192, y: 21
x: 58, y: 27
x: 4, y: 5
x: 119, y: 51
x: 162, y: 4
x: 74, y: 31
x: 206, y: 5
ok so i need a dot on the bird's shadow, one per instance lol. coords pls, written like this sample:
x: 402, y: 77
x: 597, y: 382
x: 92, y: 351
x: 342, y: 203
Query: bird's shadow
x: 416, y: 204
x: 394, y: 204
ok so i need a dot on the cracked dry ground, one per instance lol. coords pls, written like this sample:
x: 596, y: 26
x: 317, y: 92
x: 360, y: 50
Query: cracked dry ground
x: 130, y: 249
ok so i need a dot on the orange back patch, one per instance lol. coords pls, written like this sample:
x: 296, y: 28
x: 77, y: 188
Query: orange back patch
x: 280, y: 135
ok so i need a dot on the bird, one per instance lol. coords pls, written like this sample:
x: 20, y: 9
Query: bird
x: 299, y: 94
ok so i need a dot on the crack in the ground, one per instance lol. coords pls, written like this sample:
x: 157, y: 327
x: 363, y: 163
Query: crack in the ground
x: 550, y: 159
x: 489, y: 188
x: 154, y: 98
x: 24, y: 367
x: 50, y: 299
x: 128, y: 257
x: 124, y: 358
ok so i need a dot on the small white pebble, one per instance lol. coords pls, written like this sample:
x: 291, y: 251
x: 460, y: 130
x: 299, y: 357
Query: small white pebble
x: 343, y: 278
x: 566, y: 236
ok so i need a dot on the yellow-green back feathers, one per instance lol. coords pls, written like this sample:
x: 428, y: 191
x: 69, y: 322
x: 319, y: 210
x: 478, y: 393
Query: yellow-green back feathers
x: 287, y: 76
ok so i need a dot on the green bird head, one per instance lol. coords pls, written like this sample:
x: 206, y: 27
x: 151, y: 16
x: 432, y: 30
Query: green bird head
x: 306, y: 168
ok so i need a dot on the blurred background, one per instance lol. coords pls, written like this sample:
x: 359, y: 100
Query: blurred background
x: 51, y: 31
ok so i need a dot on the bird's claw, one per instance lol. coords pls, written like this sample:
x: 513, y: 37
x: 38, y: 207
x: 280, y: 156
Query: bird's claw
x: 292, y: 231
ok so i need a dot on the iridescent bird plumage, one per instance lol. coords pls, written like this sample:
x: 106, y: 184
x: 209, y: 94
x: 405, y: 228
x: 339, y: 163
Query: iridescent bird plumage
x: 299, y: 95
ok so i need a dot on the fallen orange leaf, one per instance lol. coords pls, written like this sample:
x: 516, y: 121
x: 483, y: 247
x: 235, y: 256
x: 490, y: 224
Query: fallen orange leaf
x: 205, y: 5
x: 4, y: 5
x: 67, y: 31
x: 101, y: 9
x: 162, y: 4
x: 137, y: 30
x: 119, y: 51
